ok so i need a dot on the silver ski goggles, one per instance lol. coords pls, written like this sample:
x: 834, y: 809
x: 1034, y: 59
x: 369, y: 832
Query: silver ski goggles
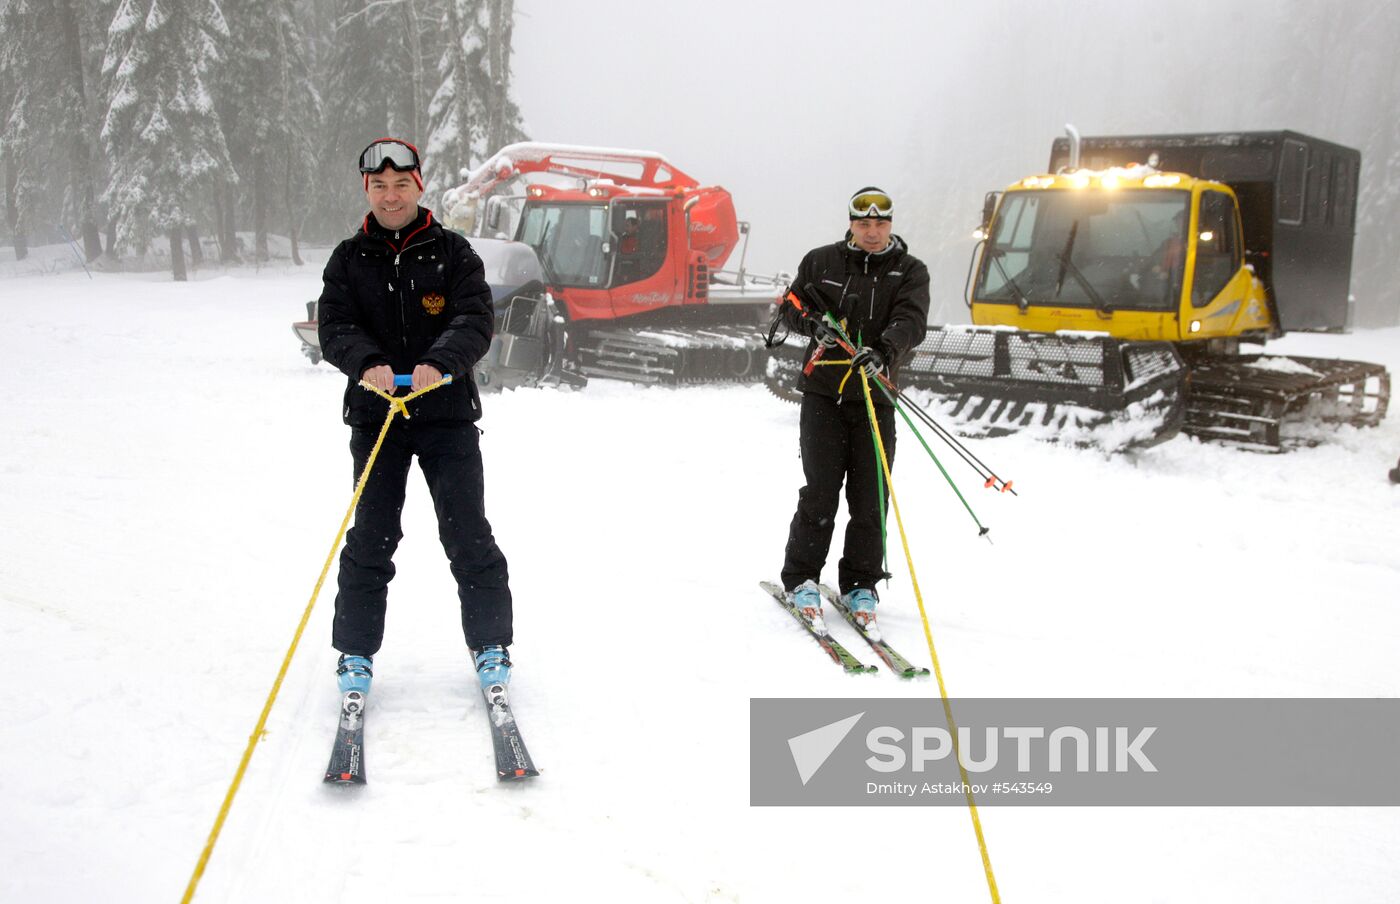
x: 874, y: 204
x: 400, y: 155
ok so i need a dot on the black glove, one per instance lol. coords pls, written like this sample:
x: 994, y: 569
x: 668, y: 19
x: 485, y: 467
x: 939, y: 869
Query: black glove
x: 870, y: 360
x: 825, y: 335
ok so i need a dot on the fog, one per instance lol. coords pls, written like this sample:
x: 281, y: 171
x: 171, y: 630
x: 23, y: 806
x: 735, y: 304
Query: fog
x: 792, y: 106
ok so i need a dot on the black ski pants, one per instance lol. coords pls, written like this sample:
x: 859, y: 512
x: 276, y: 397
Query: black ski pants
x: 449, y: 454
x: 837, y: 446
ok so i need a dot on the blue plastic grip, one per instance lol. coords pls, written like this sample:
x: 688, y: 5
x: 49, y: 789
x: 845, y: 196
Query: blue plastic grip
x: 407, y: 379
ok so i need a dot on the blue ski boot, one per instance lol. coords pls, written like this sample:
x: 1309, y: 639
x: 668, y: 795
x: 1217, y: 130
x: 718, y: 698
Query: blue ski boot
x: 806, y: 598
x: 862, y: 602
x: 492, y: 666
x: 354, y: 673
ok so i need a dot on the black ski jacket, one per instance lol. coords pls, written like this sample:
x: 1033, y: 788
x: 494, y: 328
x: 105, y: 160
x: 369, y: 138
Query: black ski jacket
x: 417, y: 295
x: 881, y: 299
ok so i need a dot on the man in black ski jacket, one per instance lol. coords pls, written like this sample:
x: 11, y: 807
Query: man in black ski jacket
x: 878, y: 292
x: 405, y: 296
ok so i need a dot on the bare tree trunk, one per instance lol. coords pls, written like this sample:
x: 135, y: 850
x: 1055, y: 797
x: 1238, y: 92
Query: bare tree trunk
x: 219, y: 223
x: 415, y: 52
x: 498, y: 41
x: 196, y: 252
x: 177, y: 254
x: 112, y: 237
x: 82, y: 176
x: 259, y: 209
x: 228, y: 236
x: 291, y: 208
x: 12, y: 212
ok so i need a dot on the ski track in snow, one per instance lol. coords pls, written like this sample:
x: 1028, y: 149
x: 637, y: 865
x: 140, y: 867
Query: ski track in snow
x: 173, y: 475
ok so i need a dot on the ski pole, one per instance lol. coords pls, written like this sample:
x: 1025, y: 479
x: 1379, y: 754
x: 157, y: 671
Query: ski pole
x: 992, y: 481
x: 396, y: 406
x: 74, y: 245
x: 982, y: 529
x: 990, y: 478
x: 981, y: 469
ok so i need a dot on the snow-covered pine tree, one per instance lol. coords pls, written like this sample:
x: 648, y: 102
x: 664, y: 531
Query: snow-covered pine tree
x: 25, y: 58
x: 160, y: 130
x: 502, y: 117
x: 457, y: 112
x: 298, y: 121
x: 368, y: 85
x: 267, y: 92
x: 471, y: 114
x: 80, y: 29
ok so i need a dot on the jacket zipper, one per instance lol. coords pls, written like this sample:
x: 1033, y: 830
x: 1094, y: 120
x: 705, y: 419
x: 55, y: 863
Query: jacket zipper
x: 398, y: 279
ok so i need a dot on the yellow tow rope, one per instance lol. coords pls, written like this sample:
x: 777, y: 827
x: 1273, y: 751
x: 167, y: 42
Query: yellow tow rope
x: 397, y: 405
x: 928, y: 636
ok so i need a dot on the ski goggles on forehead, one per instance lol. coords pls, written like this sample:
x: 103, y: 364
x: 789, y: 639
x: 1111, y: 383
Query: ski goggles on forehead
x: 398, y: 154
x: 871, y: 204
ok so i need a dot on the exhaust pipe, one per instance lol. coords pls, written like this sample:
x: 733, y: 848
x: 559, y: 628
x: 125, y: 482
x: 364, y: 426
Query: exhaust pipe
x: 1073, y: 134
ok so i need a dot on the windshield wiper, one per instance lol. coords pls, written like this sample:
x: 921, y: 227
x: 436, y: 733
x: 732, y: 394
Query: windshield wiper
x: 544, y: 258
x: 1068, y: 266
x: 1022, y: 301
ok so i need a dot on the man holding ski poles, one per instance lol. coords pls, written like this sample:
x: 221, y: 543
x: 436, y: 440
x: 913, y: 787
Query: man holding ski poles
x: 878, y: 294
x: 405, y: 296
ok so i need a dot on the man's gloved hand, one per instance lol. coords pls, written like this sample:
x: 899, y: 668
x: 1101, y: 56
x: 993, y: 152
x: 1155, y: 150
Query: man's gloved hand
x: 826, y: 336
x: 869, y: 360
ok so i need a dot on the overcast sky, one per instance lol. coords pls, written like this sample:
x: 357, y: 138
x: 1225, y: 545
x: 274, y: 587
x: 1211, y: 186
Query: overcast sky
x: 793, y: 105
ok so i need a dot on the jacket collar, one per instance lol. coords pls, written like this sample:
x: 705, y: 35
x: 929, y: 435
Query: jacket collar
x: 398, y: 239
x: 891, y: 251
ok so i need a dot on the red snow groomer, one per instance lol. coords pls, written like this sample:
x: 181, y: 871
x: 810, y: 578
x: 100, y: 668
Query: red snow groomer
x: 630, y: 252
x: 606, y: 262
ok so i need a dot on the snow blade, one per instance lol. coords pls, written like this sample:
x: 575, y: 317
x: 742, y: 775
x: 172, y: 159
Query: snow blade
x: 1087, y: 390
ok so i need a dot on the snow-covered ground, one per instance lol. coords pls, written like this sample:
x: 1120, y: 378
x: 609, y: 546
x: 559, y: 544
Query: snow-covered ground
x: 173, y: 473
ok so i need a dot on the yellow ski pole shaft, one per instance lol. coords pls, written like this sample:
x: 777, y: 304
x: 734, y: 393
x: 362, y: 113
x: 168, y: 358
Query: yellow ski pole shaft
x: 396, y: 406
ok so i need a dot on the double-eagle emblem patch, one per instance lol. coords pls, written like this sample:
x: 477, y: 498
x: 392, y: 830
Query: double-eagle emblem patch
x: 433, y: 303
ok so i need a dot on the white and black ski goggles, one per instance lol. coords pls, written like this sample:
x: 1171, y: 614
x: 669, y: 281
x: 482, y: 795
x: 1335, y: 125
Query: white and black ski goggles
x: 400, y: 155
x: 871, y: 203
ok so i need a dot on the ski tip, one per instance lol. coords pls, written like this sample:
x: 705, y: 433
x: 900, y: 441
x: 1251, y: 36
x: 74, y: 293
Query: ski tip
x: 344, y: 778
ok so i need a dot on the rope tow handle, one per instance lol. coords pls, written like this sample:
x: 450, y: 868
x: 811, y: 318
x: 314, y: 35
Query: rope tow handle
x: 396, y: 406
x: 928, y: 636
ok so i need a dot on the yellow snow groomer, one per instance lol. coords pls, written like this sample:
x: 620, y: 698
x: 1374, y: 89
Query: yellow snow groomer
x: 1110, y: 295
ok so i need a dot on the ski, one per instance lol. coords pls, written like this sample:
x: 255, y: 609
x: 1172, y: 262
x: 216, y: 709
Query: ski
x: 347, y: 765
x: 839, y: 654
x: 513, y: 761
x: 897, y: 663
